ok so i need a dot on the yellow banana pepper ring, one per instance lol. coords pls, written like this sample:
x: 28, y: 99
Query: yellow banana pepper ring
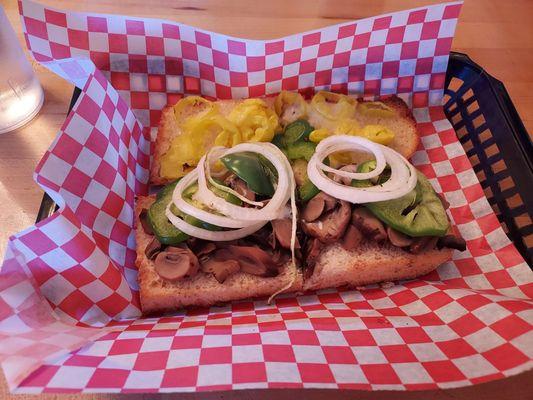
x: 333, y: 106
x: 340, y: 158
x: 378, y: 133
x: 256, y: 121
x: 348, y: 127
x: 206, y: 132
x: 193, y: 101
x: 319, y: 134
x: 198, y: 136
x: 293, y: 101
x: 376, y: 109
x: 179, y: 156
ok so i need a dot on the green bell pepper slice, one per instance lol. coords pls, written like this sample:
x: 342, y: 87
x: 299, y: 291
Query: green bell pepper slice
x: 163, y: 229
x: 230, y: 198
x: 418, y: 213
x: 308, y: 190
x: 279, y: 141
x: 298, y: 130
x: 300, y: 149
x: 367, y: 167
x: 167, y: 190
x: 165, y: 232
x: 252, y: 170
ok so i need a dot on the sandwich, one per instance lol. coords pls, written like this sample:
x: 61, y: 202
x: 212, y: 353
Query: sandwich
x: 263, y: 196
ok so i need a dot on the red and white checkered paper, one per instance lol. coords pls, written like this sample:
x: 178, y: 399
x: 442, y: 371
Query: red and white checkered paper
x: 69, y: 316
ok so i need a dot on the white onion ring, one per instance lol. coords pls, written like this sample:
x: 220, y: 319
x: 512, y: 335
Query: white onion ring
x: 243, y: 220
x: 209, y: 174
x: 344, y: 143
x: 270, y: 211
x: 402, y: 180
x: 187, y: 208
x: 215, y: 236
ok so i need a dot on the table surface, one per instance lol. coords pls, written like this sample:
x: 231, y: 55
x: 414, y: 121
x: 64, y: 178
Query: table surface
x: 496, y: 34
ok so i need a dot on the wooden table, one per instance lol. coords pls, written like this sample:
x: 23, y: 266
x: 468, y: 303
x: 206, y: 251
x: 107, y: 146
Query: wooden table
x: 495, y: 33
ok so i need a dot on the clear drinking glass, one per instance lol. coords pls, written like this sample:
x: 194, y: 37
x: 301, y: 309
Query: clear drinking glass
x: 21, y: 94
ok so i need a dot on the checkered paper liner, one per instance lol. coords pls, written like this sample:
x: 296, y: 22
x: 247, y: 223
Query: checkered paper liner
x: 69, y: 309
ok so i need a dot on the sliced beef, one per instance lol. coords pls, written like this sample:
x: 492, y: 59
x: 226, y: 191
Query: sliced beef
x: 263, y: 238
x: 254, y: 260
x: 280, y: 257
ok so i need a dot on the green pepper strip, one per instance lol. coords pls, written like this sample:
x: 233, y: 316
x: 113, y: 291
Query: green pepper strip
x: 418, y: 213
x: 297, y: 131
x: 165, y: 232
x: 300, y: 149
x: 250, y: 168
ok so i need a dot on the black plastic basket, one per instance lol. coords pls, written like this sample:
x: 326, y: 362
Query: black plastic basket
x: 497, y: 144
x: 495, y: 140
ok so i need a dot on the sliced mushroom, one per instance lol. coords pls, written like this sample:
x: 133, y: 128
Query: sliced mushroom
x: 221, y: 265
x: 237, y: 184
x: 398, y: 238
x: 342, y: 179
x: 143, y: 217
x: 330, y: 202
x: 452, y: 242
x: 312, y: 252
x: 330, y: 226
x: 176, y: 263
x: 205, y: 250
x: 318, y: 205
x: 153, y: 248
x: 282, y: 229
x: 313, y: 209
x: 368, y: 224
x: 254, y: 260
x: 352, y: 238
x: 422, y: 244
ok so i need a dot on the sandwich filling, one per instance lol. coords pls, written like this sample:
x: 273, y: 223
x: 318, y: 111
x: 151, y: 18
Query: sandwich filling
x: 264, y: 186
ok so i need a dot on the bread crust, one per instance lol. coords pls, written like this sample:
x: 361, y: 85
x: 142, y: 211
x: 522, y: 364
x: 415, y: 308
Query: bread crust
x: 202, y: 290
x: 371, y: 263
